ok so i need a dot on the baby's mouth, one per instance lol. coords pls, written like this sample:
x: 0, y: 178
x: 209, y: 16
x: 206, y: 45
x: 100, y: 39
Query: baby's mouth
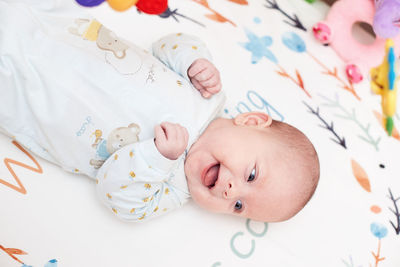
x: 211, y: 176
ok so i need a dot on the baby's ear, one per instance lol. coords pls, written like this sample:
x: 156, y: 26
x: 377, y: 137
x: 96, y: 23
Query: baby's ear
x: 253, y: 119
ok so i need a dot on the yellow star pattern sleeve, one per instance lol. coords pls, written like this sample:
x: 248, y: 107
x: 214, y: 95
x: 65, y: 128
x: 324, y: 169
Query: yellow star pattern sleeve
x: 178, y: 51
x: 135, y: 182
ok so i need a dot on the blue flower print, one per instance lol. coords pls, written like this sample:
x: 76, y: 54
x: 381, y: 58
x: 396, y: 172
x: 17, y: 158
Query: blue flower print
x: 258, y: 47
x: 378, y: 230
x: 293, y: 42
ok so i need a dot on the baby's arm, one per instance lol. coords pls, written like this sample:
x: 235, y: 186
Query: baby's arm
x: 188, y: 56
x: 133, y: 182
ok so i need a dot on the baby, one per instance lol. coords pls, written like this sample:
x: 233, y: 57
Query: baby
x: 144, y: 127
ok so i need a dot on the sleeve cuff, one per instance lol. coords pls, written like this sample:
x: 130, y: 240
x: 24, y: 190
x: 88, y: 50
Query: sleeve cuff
x: 154, y: 158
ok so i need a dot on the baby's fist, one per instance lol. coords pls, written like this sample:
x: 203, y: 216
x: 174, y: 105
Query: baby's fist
x: 171, y: 139
x: 205, y: 77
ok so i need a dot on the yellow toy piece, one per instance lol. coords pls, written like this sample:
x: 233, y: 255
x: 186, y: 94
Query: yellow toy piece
x: 121, y: 5
x: 383, y: 82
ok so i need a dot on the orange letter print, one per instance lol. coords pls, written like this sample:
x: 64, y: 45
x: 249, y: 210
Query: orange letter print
x: 20, y: 188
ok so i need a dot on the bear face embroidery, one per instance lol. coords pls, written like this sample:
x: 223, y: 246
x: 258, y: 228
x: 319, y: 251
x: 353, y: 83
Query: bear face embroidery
x: 117, y: 139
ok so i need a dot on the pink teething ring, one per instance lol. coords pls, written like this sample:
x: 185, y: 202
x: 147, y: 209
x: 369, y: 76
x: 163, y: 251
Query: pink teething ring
x: 336, y: 31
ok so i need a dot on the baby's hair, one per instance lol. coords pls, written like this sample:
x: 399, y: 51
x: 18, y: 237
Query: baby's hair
x: 300, y: 150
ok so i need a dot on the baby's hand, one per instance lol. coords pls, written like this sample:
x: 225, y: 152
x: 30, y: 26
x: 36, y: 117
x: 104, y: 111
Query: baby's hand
x: 171, y: 139
x: 205, y: 77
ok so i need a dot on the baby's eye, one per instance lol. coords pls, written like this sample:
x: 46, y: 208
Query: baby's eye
x: 252, y: 175
x: 238, y: 205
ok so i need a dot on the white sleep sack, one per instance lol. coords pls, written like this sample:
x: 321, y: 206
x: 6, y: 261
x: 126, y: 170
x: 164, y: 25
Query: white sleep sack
x: 75, y: 94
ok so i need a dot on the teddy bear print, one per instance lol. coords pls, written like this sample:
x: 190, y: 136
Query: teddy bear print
x: 118, y: 53
x: 118, y: 138
x: 123, y: 58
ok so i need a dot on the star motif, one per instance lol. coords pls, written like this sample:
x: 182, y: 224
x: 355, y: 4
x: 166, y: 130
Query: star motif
x: 258, y: 46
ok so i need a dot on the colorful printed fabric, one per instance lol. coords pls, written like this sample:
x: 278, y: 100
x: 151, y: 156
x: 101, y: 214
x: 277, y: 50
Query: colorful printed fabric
x: 138, y: 183
x: 351, y: 221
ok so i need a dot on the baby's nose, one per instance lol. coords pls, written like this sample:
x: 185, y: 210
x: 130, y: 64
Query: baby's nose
x: 230, y: 190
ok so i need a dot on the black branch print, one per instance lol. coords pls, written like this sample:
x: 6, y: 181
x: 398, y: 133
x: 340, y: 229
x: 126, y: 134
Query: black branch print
x: 174, y: 14
x: 330, y: 127
x: 395, y: 211
x: 293, y: 21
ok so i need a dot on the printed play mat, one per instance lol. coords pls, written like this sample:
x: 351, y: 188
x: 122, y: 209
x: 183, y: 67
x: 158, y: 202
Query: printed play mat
x: 269, y: 61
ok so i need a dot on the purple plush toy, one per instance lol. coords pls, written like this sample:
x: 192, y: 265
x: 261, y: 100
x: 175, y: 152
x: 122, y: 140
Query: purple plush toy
x: 387, y: 18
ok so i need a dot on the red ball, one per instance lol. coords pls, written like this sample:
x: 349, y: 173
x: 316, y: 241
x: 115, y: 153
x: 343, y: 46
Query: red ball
x: 153, y: 7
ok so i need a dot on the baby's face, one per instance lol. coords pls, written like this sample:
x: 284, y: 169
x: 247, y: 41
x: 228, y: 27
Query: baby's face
x: 240, y: 170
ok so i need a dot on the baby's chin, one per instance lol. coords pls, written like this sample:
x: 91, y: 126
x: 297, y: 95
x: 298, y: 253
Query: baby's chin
x: 195, y: 162
x: 198, y: 192
x: 192, y: 177
x: 202, y: 199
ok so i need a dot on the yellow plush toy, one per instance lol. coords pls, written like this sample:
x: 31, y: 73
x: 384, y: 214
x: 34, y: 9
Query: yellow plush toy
x: 383, y: 82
